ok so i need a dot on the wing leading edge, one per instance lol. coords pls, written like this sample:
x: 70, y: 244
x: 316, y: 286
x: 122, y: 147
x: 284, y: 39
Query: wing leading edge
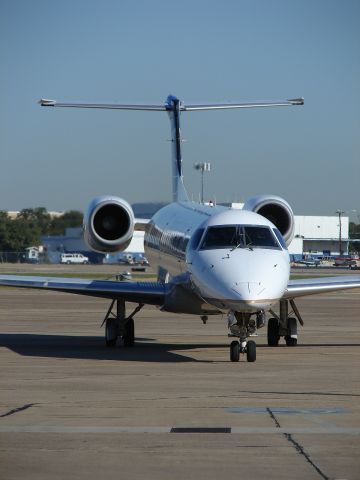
x: 152, y: 293
x: 313, y: 286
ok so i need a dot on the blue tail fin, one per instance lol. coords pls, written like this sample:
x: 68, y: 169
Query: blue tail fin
x: 173, y: 108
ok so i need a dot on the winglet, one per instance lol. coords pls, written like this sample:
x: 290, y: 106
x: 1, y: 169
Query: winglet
x: 297, y: 101
x: 44, y: 102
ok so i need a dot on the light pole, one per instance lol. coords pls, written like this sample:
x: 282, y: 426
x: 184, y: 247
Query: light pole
x: 203, y: 167
x: 340, y: 212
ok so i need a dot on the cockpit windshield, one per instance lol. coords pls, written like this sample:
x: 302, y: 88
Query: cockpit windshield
x: 239, y: 236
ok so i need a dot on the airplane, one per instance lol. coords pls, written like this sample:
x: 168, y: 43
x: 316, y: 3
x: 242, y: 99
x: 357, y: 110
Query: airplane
x: 210, y: 259
x: 309, y: 262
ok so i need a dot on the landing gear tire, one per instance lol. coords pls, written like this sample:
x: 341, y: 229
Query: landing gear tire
x: 111, y: 332
x: 251, y: 351
x: 234, y: 351
x: 290, y: 342
x: 291, y: 337
x: 129, y: 334
x: 273, y: 332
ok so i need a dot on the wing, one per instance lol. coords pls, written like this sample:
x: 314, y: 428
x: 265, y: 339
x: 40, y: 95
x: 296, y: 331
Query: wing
x: 139, y: 292
x: 313, y: 286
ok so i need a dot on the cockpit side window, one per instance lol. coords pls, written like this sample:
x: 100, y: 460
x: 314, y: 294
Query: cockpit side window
x: 280, y: 238
x: 196, y: 237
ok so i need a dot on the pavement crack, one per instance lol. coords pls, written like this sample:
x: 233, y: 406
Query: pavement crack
x: 298, y: 447
x: 17, y: 410
x: 273, y: 417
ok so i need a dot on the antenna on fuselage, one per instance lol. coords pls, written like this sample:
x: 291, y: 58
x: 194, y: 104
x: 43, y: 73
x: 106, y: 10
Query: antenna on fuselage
x: 173, y: 106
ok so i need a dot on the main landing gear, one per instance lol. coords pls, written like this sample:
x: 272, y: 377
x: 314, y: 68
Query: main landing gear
x: 283, y: 325
x: 241, y: 325
x: 117, y: 325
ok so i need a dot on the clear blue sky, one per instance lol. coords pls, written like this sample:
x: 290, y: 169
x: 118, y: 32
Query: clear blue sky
x: 201, y: 51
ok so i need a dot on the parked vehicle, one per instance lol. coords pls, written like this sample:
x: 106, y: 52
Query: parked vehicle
x: 74, y: 258
x: 354, y: 264
x: 344, y: 261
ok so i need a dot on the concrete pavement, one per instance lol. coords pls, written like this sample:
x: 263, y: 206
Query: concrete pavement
x: 174, y: 406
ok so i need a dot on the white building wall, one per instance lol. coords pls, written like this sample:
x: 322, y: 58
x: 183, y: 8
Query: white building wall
x: 296, y: 246
x: 137, y: 243
x: 321, y: 227
x: 319, y: 234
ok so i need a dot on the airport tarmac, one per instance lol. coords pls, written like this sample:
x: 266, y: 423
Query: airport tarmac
x: 174, y: 406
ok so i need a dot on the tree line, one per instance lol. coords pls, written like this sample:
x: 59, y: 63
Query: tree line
x: 30, y: 224
x: 354, y: 233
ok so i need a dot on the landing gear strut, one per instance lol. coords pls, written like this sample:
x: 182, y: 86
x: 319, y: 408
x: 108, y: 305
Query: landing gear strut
x: 117, y: 325
x: 283, y: 325
x: 242, y: 326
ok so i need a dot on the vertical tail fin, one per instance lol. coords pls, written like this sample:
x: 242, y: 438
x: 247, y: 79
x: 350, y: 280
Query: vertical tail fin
x: 173, y: 107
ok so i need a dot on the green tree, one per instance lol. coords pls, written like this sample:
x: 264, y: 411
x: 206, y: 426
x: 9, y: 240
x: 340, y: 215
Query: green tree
x: 70, y: 219
x: 26, y: 230
x: 17, y: 234
x: 36, y: 217
x: 354, y: 233
x: 4, y: 231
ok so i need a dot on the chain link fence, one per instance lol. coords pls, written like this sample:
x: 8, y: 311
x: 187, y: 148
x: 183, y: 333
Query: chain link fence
x: 22, y: 257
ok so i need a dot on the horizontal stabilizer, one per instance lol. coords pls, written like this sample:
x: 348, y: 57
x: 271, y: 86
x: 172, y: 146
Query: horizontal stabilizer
x: 173, y: 107
x: 166, y: 107
x: 223, y: 106
x: 53, y: 103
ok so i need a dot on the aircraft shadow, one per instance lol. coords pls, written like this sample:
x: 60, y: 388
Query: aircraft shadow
x: 93, y: 348
x: 322, y: 345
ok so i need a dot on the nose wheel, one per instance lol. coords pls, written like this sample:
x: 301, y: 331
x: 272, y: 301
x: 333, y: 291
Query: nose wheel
x: 242, y: 326
x: 249, y: 349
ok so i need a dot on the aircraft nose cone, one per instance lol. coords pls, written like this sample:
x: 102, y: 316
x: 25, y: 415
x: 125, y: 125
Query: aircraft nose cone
x: 243, y: 289
x: 242, y: 276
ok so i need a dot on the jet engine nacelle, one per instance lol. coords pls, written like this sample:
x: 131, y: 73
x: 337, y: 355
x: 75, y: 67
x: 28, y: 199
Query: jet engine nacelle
x: 108, y: 224
x: 275, y: 209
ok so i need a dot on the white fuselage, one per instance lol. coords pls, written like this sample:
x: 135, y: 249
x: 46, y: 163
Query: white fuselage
x: 245, y: 277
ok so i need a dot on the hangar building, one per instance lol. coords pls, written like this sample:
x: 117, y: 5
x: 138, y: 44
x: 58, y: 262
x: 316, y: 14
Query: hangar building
x: 320, y: 236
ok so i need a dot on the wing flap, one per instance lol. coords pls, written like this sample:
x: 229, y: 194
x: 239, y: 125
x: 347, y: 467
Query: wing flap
x: 144, y: 292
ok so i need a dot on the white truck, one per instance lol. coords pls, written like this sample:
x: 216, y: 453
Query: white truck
x: 74, y: 258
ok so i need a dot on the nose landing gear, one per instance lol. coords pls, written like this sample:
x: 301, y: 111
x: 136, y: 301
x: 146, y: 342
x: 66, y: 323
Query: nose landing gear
x: 242, y: 327
x: 249, y: 349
